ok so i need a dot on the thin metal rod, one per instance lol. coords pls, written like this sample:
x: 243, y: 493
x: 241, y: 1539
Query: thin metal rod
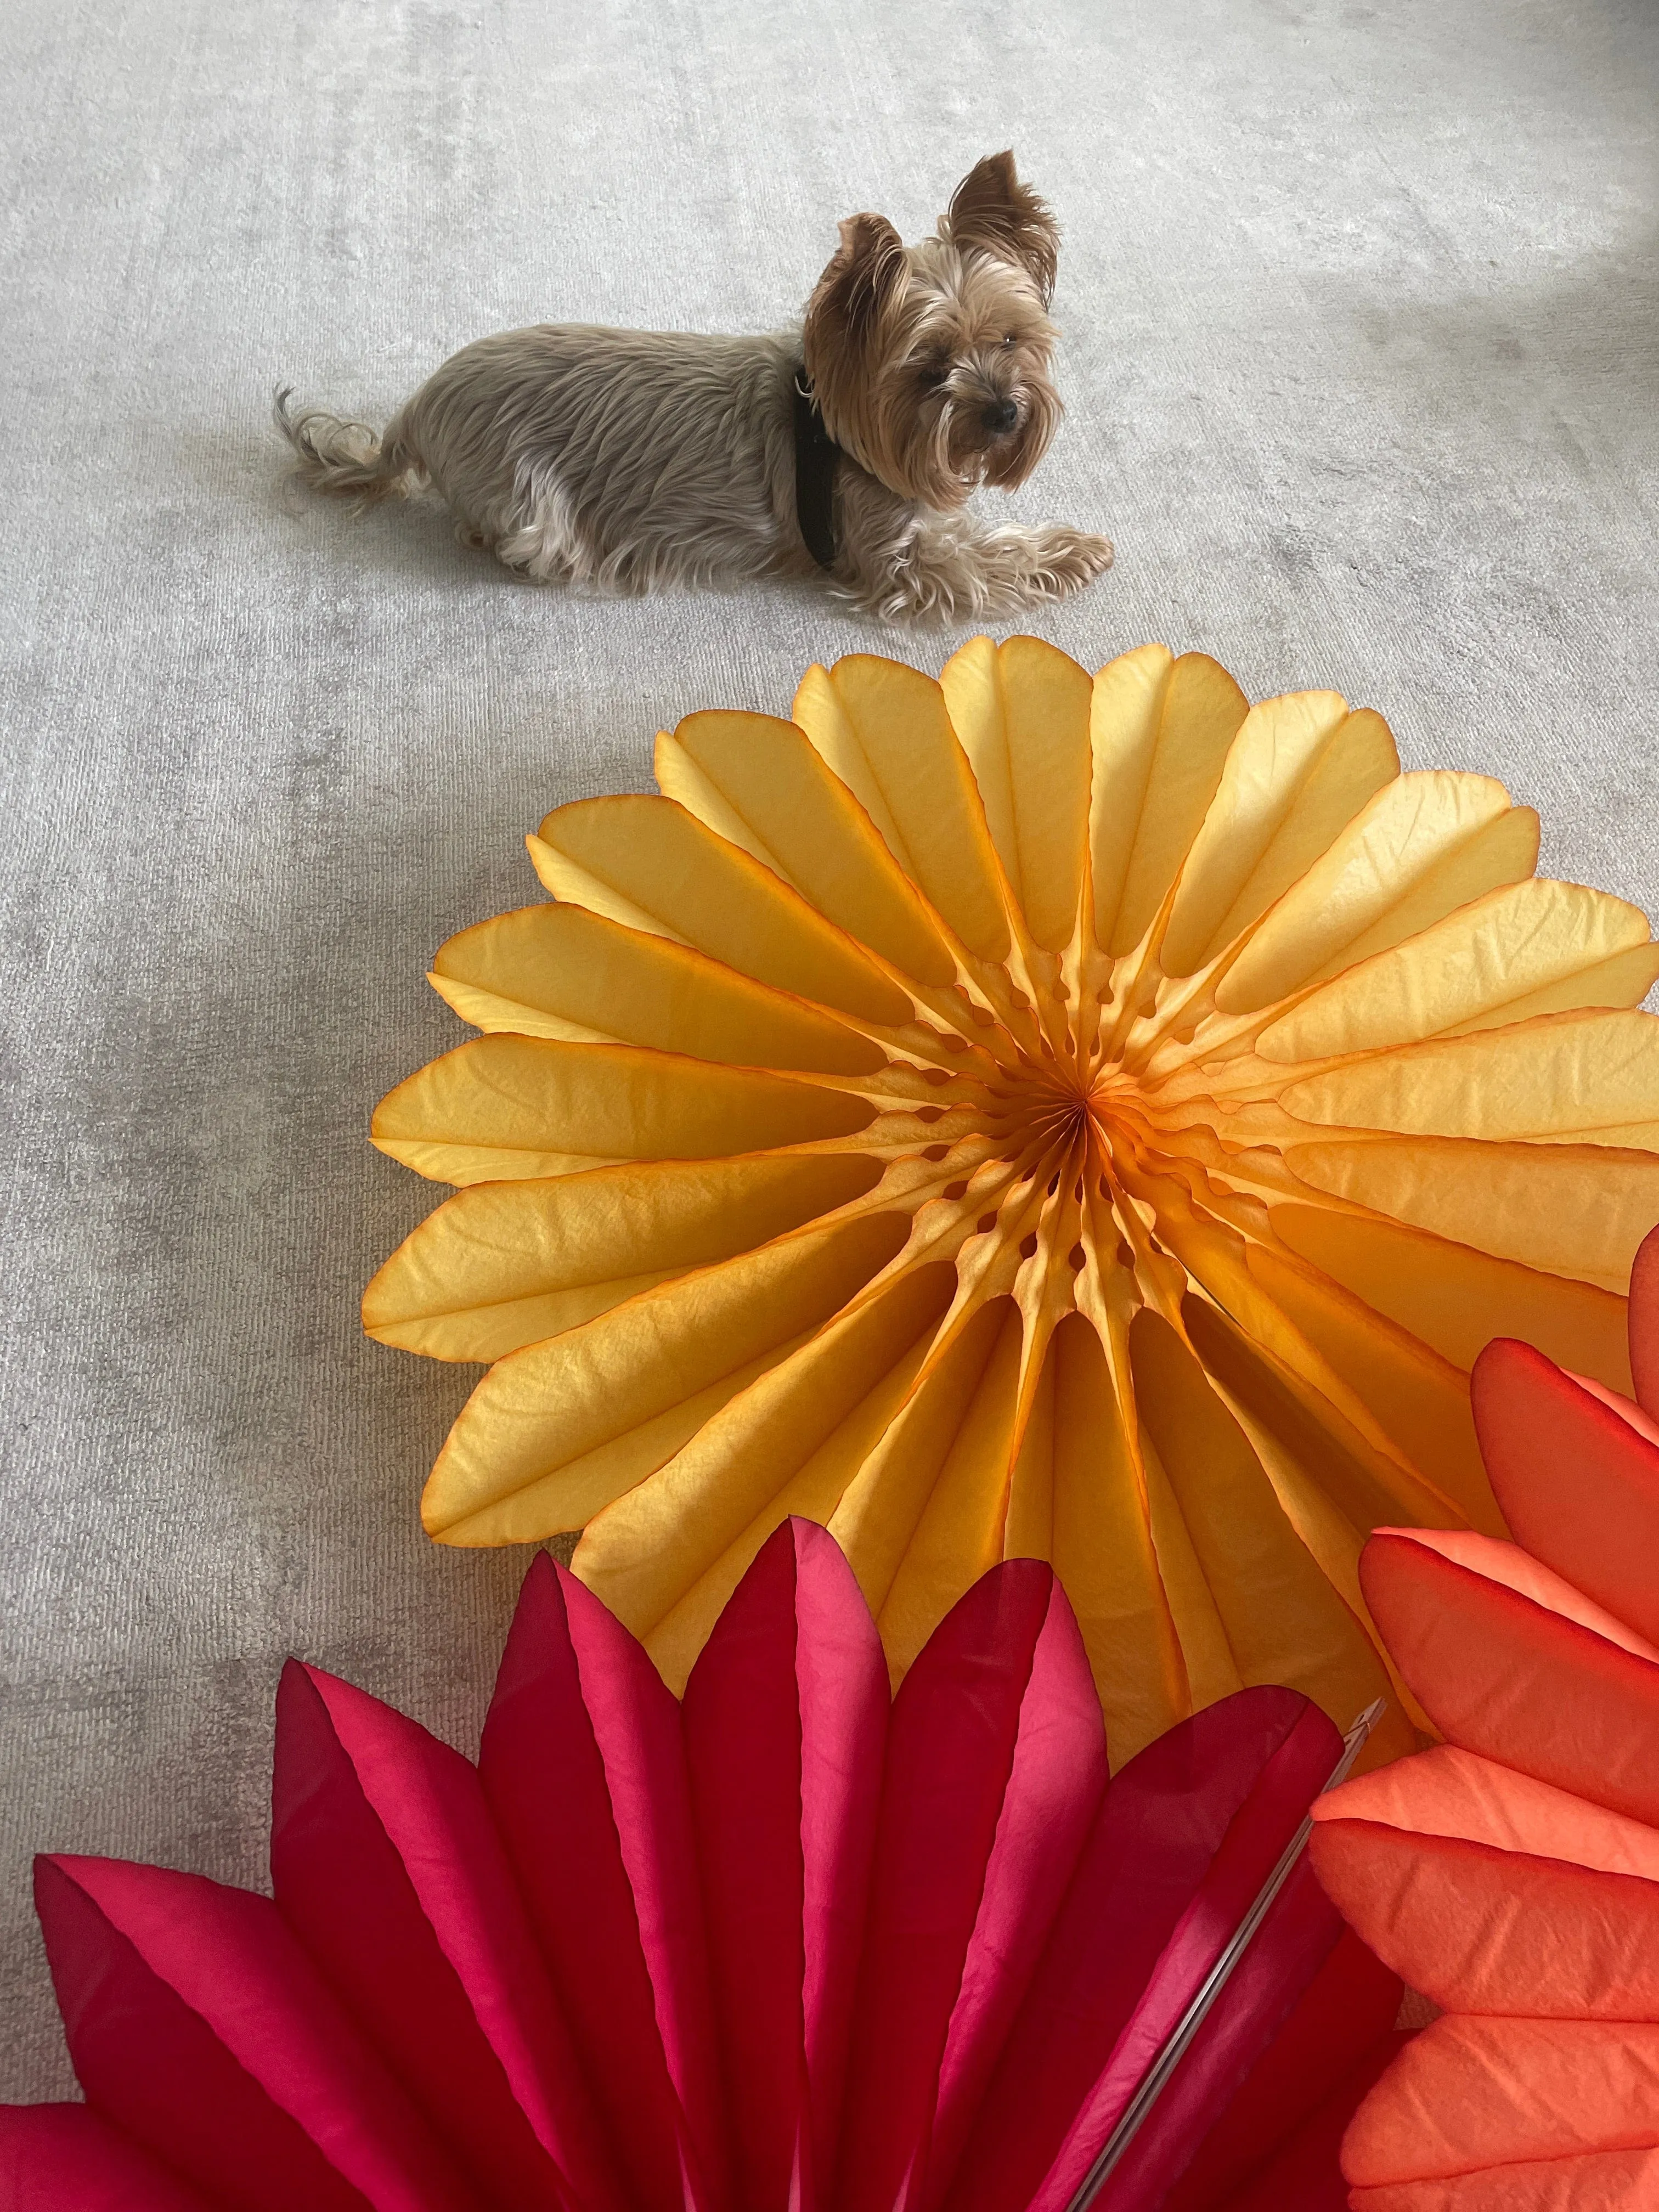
x: 1180, y: 2041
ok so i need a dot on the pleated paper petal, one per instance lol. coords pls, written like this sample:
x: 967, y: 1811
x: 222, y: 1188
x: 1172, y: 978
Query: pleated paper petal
x: 1025, y: 1115
x: 792, y: 1941
x: 1511, y: 1873
x: 199, y: 2027
x: 386, y: 1866
x: 63, y: 2155
x: 786, y: 1723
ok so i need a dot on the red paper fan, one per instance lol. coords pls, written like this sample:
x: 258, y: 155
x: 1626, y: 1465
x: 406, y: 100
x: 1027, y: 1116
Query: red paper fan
x: 781, y: 1947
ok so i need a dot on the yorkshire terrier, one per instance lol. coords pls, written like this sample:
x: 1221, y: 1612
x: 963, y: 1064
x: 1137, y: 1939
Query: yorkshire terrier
x: 635, y: 458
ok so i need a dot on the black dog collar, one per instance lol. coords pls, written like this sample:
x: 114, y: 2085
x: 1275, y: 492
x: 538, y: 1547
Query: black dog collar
x: 816, y: 456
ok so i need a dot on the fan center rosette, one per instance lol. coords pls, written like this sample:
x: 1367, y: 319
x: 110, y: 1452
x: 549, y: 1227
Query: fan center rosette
x: 1025, y: 1114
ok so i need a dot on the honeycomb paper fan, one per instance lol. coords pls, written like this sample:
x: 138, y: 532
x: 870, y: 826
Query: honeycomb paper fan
x: 1511, y: 1873
x: 789, y: 1943
x: 1024, y: 1116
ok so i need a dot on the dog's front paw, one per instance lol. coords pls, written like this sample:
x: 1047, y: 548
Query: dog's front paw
x: 1069, y: 559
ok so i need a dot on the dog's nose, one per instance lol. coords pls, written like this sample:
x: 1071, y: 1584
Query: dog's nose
x: 1001, y: 415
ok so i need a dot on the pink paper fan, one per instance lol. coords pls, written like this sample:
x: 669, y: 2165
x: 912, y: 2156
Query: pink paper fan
x: 785, y: 1948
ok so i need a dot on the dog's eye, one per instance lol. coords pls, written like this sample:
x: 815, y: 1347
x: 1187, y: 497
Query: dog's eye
x: 934, y: 372
x: 1010, y: 338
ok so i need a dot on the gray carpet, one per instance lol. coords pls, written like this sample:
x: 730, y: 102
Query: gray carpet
x: 1362, y: 354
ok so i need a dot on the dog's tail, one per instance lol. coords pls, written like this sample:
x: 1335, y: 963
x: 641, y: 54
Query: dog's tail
x: 348, y: 460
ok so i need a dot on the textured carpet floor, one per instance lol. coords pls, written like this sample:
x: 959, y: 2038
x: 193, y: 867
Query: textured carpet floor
x: 1362, y: 353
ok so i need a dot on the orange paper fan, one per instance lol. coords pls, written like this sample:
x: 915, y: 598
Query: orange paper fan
x: 1024, y: 1114
x: 1512, y: 1874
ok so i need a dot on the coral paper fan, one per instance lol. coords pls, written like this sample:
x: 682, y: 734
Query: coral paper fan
x: 780, y: 1946
x: 1024, y: 1116
x: 1512, y: 1874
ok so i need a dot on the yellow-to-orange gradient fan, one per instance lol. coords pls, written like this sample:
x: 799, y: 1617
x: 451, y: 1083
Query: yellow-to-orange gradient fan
x: 1025, y: 1114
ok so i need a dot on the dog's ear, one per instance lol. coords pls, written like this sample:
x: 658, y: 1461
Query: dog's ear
x: 991, y: 208
x: 864, y: 275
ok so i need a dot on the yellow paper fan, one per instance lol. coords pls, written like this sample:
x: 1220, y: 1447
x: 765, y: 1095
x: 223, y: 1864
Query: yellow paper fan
x: 1021, y: 1115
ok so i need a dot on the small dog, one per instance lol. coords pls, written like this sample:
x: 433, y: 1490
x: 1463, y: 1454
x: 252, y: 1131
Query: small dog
x: 633, y: 458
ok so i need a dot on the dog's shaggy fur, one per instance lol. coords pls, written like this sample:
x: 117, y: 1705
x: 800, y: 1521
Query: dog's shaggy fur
x: 634, y: 458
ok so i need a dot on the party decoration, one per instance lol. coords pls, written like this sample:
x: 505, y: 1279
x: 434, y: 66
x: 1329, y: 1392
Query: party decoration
x: 1511, y: 1873
x: 1021, y: 1115
x: 780, y: 1946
